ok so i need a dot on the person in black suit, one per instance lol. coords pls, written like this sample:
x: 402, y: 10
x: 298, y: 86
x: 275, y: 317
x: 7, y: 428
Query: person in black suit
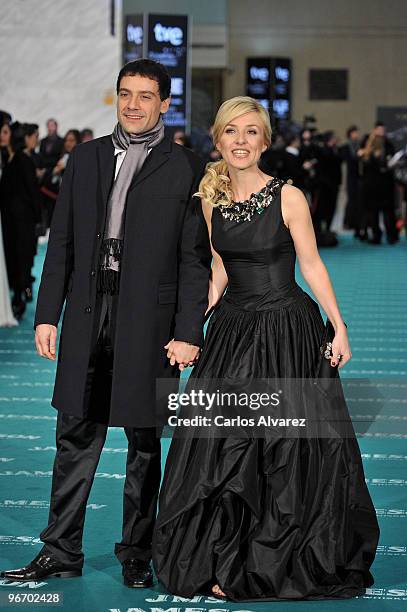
x: 51, y: 151
x: 292, y: 165
x: 130, y: 252
x: 51, y: 146
x: 349, y: 154
x: 329, y: 179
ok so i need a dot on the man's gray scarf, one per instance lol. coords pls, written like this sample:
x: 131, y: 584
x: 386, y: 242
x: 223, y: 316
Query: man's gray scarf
x: 137, y: 146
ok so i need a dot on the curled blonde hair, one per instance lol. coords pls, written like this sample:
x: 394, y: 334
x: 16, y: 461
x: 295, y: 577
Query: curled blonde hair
x: 214, y: 187
x: 374, y: 144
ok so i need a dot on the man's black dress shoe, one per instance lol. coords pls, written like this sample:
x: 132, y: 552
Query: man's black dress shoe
x: 43, y: 566
x: 137, y: 574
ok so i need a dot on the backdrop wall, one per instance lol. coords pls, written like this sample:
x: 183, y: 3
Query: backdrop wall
x: 59, y: 59
x: 369, y: 37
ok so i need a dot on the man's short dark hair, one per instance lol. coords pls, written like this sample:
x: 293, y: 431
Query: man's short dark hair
x: 150, y: 69
x: 379, y: 124
x: 327, y: 136
x: 17, y: 138
x: 352, y: 128
x: 290, y: 138
x: 30, y: 128
x: 86, y: 132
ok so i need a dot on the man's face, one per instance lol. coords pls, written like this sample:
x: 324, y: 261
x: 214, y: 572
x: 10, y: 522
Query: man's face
x: 139, y: 104
x: 51, y: 127
x: 306, y: 136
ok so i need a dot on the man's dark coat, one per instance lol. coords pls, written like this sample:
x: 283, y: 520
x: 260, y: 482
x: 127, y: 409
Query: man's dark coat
x: 164, y: 276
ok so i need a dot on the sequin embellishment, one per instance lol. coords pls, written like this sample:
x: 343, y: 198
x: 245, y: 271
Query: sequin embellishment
x: 257, y: 203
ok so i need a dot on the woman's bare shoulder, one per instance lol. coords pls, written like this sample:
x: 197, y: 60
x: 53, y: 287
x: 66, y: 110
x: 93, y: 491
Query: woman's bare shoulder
x: 294, y: 204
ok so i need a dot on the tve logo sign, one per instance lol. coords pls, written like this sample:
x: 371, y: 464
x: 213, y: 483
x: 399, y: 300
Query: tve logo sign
x: 173, y: 35
x: 283, y: 74
x: 262, y: 74
x: 135, y: 34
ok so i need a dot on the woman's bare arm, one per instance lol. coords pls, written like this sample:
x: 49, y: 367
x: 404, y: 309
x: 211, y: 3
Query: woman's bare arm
x: 297, y: 218
x: 219, y: 279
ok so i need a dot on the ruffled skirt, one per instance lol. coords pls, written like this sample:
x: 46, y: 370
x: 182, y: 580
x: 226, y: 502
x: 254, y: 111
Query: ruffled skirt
x: 265, y: 518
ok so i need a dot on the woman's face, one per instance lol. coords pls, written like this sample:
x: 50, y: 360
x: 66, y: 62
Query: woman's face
x: 5, y: 134
x: 69, y: 142
x: 31, y: 141
x: 242, y: 141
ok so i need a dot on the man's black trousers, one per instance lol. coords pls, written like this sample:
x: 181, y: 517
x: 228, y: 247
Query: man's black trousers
x: 79, y: 444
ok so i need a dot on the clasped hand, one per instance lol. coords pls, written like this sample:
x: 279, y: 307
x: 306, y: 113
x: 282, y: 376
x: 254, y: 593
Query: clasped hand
x: 182, y: 353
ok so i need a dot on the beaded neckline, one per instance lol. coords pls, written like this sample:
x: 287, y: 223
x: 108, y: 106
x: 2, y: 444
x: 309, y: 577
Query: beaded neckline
x: 245, y: 210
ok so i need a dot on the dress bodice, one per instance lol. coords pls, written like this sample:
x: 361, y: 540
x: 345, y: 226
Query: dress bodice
x: 257, y: 251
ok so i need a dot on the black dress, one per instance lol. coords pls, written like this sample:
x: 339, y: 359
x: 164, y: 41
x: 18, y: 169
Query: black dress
x: 267, y: 518
x: 20, y: 211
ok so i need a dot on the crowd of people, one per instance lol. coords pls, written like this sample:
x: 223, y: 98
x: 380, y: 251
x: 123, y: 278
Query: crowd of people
x: 32, y: 170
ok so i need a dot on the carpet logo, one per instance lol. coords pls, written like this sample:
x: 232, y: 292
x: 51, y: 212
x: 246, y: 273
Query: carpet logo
x: 34, y: 503
x: 40, y: 449
x: 383, y: 457
x: 391, y: 512
x: 21, y: 585
x: 29, y: 417
x: 48, y: 474
x: 18, y: 437
x: 391, y: 551
x: 368, y: 434
x: 389, y: 594
x: 19, y: 540
x: 36, y: 474
x: 386, y: 482
x: 174, y: 599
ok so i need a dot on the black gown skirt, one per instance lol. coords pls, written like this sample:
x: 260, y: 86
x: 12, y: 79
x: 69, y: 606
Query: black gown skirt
x: 265, y: 518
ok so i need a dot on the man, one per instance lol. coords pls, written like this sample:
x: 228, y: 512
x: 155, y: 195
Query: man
x: 293, y: 169
x: 51, y: 151
x: 349, y: 154
x: 133, y: 260
x: 330, y: 178
x: 86, y: 135
x: 51, y: 146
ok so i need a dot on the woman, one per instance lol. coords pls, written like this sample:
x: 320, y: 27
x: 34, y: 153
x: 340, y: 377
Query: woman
x: 378, y: 188
x: 6, y: 314
x: 20, y: 210
x: 272, y: 518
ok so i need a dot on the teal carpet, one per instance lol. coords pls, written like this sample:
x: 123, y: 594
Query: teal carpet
x: 370, y: 283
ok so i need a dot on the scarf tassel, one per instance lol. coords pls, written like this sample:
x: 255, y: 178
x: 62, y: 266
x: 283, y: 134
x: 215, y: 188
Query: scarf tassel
x: 108, y: 277
x: 108, y: 282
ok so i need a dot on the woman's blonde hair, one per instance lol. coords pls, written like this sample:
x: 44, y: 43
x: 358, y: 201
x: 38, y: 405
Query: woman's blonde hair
x: 214, y: 186
x: 374, y: 144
